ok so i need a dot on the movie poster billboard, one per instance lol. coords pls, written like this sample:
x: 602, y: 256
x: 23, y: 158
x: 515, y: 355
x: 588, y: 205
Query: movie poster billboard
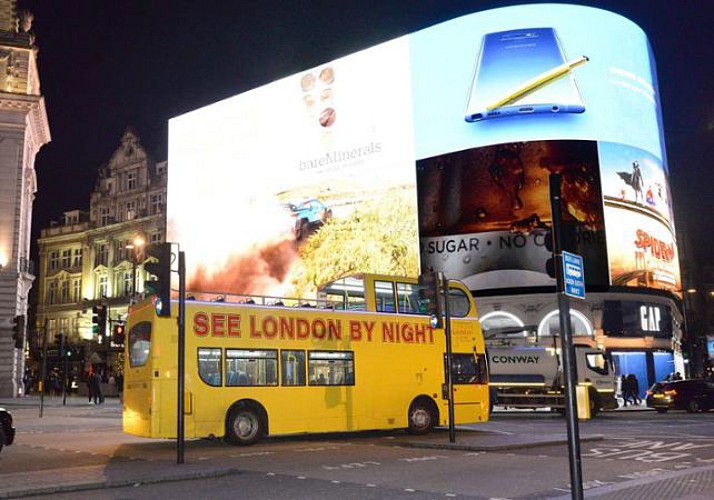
x: 399, y: 159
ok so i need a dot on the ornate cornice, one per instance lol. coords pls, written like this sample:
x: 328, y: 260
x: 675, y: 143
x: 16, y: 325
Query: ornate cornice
x: 34, y: 107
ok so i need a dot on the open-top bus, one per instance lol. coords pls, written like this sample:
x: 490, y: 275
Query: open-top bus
x: 362, y: 356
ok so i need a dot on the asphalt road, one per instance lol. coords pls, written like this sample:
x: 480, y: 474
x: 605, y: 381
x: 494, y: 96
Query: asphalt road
x: 81, y: 450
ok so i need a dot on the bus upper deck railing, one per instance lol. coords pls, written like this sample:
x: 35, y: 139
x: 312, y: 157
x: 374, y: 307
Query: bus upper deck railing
x: 263, y: 300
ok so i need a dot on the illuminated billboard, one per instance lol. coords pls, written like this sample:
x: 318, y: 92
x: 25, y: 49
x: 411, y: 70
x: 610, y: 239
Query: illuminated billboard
x: 400, y: 158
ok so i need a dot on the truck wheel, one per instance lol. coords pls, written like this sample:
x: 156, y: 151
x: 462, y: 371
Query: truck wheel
x: 244, y: 425
x: 595, y: 405
x: 2, y: 438
x: 693, y: 406
x: 422, y: 418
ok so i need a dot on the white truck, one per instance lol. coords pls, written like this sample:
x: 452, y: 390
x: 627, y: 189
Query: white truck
x: 532, y: 377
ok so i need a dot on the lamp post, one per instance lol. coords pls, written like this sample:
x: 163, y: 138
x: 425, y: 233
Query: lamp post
x: 137, y: 244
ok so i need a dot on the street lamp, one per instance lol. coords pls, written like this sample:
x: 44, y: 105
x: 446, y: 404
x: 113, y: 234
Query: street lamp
x: 137, y: 244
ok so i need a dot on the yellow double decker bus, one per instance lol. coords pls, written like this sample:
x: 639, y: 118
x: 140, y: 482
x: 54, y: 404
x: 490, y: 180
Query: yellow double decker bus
x: 362, y: 356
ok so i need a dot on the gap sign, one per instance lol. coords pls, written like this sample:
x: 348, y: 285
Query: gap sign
x: 574, y: 275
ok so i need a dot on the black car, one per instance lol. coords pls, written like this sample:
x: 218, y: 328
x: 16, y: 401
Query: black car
x: 692, y: 395
x: 7, y: 431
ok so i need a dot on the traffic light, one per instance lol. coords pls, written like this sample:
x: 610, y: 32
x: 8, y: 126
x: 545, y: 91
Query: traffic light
x: 160, y: 285
x: 59, y: 342
x: 118, y: 333
x: 430, y: 294
x: 18, y: 331
x: 99, y: 318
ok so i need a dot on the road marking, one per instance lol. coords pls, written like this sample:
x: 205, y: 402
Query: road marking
x: 423, y: 459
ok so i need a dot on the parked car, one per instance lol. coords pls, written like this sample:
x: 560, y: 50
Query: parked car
x: 7, y: 431
x: 308, y: 215
x: 691, y: 395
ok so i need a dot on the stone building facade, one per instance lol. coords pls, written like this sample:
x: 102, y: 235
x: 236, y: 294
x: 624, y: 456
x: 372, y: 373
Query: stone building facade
x: 24, y: 129
x: 96, y: 257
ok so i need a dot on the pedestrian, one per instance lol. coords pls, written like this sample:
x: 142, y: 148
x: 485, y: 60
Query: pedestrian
x: 624, y: 391
x: 120, y: 385
x: 634, y: 387
x: 90, y: 386
x: 97, y: 395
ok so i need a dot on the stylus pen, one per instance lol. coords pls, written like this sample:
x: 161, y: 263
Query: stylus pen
x: 540, y: 81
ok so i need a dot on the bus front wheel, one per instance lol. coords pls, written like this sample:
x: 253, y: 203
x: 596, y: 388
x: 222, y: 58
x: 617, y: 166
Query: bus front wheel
x: 244, y: 426
x: 422, y: 417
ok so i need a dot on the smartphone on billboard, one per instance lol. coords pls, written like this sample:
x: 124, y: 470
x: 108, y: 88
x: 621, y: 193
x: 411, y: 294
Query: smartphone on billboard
x: 523, y: 72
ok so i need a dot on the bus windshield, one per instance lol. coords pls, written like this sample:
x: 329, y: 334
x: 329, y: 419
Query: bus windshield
x: 139, y: 344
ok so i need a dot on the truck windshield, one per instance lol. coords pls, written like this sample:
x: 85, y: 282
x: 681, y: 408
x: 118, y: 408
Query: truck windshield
x: 597, y: 362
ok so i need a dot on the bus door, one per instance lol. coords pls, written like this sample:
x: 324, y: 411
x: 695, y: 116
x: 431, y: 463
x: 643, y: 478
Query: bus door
x: 469, y: 377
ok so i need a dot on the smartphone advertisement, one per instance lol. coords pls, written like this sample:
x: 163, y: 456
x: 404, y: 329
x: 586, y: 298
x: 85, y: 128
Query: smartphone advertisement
x: 398, y: 159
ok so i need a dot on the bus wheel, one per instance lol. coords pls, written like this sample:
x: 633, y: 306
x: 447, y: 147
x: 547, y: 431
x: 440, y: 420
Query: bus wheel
x: 244, y: 426
x: 422, y: 417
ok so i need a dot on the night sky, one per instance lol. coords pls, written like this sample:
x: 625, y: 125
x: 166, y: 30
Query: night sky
x: 111, y: 64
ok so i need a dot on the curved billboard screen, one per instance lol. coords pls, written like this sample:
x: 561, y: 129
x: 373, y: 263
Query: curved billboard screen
x: 433, y: 151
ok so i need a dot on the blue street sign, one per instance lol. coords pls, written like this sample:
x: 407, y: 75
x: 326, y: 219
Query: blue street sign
x: 574, y: 275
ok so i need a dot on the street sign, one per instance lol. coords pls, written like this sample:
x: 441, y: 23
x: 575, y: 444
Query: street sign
x: 574, y: 275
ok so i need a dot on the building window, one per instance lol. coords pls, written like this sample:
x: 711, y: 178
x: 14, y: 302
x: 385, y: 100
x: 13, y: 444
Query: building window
x: 64, y: 326
x: 155, y: 238
x: 131, y: 210
x: 155, y: 202
x: 51, y: 292
x: 103, y: 286
x: 54, y: 260
x: 77, y: 258
x: 161, y: 168
x: 120, y: 250
x: 102, y: 255
x: 131, y: 180
x: 104, y: 217
x: 66, y: 259
x: 76, y: 290
x: 64, y: 291
x: 128, y: 283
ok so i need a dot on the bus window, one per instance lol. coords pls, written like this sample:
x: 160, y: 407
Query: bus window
x: 292, y: 365
x: 408, y: 298
x: 467, y: 369
x: 348, y: 291
x: 459, y: 304
x: 139, y: 344
x: 209, y: 366
x: 331, y: 367
x: 384, y: 295
x: 251, y: 367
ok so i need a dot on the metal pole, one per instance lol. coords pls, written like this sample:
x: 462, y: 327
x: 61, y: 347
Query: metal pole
x: 576, y: 476
x: 181, y: 357
x: 443, y: 287
x: 65, y: 368
x: 133, y: 278
x: 43, y: 370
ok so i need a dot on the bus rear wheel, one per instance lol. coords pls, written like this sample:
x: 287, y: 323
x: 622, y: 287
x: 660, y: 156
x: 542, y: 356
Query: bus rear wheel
x: 244, y: 426
x: 422, y: 417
